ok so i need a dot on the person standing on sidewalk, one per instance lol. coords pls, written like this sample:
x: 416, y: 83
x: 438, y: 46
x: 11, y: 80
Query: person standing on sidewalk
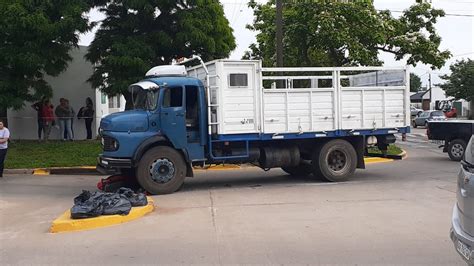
x: 72, y: 114
x: 4, y: 136
x: 63, y: 113
x: 48, y: 118
x: 87, y: 112
x: 37, y: 106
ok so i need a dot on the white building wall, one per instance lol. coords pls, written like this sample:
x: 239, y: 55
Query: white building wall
x: 436, y: 94
x: 71, y: 84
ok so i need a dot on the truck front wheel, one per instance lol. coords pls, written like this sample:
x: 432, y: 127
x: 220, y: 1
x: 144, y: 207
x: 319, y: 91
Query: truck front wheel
x: 334, y: 161
x: 161, y: 170
x: 456, y: 149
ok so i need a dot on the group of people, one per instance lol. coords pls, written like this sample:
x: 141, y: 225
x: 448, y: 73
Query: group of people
x: 64, y: 115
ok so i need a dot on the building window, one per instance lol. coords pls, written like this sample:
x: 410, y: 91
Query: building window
x: 103, y: 98
x: 238, y: 80
x: 114, y: 102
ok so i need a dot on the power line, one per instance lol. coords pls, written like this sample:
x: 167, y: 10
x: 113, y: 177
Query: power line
x: 447, y: 14
x: 457, y: 55
x: 457, y: 2
x: 394, y: 11
x: 239, y: 11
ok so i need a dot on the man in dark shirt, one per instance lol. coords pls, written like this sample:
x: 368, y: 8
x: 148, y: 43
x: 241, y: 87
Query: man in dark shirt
x: 38, y: 106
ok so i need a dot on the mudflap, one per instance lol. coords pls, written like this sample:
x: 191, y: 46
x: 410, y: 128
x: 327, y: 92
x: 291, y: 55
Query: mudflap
x: 358, y: 142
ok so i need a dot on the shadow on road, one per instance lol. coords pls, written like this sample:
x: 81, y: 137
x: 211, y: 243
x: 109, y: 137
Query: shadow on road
x: 248, y: 179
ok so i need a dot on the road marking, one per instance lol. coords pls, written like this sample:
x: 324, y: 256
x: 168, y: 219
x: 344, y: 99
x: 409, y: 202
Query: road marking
x: 64, y: 223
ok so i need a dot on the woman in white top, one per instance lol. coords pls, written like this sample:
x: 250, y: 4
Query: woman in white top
x: 4, y: 136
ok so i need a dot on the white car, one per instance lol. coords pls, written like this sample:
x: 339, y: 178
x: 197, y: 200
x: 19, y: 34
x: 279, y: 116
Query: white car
x: 462, y: 230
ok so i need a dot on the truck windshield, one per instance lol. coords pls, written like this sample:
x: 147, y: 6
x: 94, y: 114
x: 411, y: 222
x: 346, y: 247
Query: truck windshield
x: 144, y: 99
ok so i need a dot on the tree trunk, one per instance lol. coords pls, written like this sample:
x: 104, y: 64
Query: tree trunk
x: 4, y: 116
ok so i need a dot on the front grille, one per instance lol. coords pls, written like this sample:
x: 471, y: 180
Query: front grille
x: 109, y: 143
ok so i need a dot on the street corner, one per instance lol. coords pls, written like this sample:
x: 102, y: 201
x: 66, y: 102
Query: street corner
x: 64, y: 223
x: 375, y: 158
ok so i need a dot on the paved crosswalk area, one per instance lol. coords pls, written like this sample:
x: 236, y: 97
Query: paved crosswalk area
x: 419, y: 140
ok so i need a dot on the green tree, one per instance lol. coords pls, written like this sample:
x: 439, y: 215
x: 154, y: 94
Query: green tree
x: 137, y: 35
x: 343, y: 33
x: 35, y: 39
x: 460, y: 83
x: 415, y: 82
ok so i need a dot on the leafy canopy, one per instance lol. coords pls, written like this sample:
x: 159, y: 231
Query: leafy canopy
x: 342, y: 33
x: 35, y: 38
x: 415, y: 82
x: 460, y: 83
x: 139, y: 34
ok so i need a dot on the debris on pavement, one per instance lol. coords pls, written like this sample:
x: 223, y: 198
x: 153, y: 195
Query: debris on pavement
x: 88, y: 204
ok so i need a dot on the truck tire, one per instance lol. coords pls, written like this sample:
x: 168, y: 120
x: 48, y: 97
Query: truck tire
x: 161, y: 170
x: 456, y: 149
x: 335, y: 161
x: 300, y: 170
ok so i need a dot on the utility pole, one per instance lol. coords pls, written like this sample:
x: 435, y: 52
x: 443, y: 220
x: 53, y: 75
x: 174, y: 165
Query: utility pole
x: 279, y: 32
x: 279, y: 39
x: 429, y: 87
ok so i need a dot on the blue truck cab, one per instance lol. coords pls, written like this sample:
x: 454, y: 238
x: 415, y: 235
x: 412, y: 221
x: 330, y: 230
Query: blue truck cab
x: 178, y: 122
x: 169, y: 112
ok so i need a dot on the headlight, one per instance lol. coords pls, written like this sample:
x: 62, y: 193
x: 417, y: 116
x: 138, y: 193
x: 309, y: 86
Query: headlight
x: 109, y: 143
x: 115, y: 145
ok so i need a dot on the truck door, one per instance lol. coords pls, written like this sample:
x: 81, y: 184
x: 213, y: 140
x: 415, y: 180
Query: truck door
x: 172, y: 116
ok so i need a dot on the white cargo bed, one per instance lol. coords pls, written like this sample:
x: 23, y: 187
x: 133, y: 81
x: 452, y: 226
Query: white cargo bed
x: 246, y: 98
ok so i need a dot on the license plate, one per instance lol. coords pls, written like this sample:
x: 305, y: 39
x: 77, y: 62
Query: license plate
x: 464, y: 250
x: 440, y: 142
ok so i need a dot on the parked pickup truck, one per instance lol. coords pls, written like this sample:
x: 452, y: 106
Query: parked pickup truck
x: 306, y: 121
x: 453, y: 135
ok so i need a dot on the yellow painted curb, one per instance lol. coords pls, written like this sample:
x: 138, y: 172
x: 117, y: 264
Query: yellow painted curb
x: 88, y: 167
x: 221, y: 167
x: 64, y: 223
x: 41, y: 172
x: 369, y: 160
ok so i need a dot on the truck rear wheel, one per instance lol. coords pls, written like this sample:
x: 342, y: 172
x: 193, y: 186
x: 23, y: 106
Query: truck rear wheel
x: 161, y: 170
x: 335, y: 161
x: 303, y: 169
x: 456, y: 149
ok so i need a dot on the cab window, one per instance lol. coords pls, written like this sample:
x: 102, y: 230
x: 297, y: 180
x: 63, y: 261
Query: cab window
x: 173, y: 97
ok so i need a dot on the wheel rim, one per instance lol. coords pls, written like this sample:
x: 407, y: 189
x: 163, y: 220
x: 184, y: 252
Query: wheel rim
x: 337, y: 161
x: 457, y: 150
x: 162, y: 170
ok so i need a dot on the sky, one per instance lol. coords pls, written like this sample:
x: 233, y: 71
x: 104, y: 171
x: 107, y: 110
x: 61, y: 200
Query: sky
x: 457, y: 32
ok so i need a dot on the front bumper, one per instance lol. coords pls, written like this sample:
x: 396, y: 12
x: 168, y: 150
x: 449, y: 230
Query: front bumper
x: 458, y: 234
x: 109, y: 165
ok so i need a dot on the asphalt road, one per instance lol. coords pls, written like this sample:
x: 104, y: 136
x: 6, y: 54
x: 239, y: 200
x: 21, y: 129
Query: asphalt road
x: 394, y: 213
